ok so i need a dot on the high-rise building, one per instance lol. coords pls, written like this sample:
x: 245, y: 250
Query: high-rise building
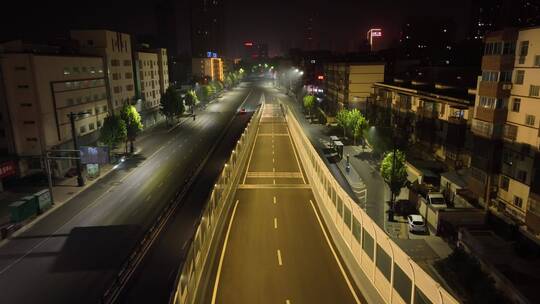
x: 262, y: 51
x: 37, y: 92
x: 207, y: 27
x: 490, y: 15
x: 506, y: 156
x: 115, y: 48
x: 429, y: 39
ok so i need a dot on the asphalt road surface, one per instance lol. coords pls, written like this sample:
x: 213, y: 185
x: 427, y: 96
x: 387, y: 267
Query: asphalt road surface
x: 154, y: 279
x: 276, y: 248
x: 71, y: 255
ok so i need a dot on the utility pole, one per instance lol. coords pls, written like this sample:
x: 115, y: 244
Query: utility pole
x: 71, y: 115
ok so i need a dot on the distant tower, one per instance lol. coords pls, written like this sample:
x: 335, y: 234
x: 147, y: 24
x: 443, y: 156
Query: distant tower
x: 310, y: 33
x: 373, y: 35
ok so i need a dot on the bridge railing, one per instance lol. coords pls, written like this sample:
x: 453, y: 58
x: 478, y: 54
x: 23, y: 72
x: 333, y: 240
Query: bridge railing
x: 395, y: 276
x: 192, y: 278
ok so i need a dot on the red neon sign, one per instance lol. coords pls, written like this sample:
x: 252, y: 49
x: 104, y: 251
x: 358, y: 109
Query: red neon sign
x: 320, y: 77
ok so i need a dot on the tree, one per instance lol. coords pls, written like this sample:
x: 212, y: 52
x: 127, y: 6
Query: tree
x: 132, y: 119
x: 218, y: 86
x: 342, y: 119
x: 191, y: 99
x: 113, y: 131
x: 394, y: 173
x: 171, y: 104
x: 309, y: 103
x: 360, y: 124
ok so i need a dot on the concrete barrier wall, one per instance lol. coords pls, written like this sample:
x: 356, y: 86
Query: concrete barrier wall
x: 395, y: 276
x: 191, y: 279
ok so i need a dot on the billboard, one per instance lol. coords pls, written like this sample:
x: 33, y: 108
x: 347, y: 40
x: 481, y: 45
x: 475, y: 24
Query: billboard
x: 94, y: 155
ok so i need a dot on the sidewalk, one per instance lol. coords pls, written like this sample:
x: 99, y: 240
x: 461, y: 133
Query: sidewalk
x: 65, y: 189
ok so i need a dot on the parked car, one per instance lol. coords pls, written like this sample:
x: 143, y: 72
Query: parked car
x: 416, y: 223
x: 436, y: 199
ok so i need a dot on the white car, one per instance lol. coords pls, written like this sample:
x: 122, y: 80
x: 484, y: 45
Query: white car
x: 416, y: 223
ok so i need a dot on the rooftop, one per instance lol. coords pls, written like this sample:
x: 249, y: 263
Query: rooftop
x: 456, y: 95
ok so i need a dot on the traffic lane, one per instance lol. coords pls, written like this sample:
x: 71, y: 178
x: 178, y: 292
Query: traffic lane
x: 305, y: 269
x: 56, y: 285
x: 15, y: 248
x: 314, y: 139
x: 154, y: 280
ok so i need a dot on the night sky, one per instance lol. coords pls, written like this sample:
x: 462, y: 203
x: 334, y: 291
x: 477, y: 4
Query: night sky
x: 338, y: 25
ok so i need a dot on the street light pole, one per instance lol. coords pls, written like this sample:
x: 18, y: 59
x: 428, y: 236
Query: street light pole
x: 80, y: 180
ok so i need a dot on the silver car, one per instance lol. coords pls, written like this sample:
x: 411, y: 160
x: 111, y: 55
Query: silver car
x: 416, y: 223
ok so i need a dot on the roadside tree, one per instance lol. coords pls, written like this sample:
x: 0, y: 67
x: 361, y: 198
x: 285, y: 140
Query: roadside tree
x: 132, y: 119
x: 394, y: 173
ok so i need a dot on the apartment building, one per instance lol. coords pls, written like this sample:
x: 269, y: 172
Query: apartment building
x: 433, y: 116
x: 349, y: 85
x: 150, y: 86
x: 210, y: 69
x: 116, y: 50
x: 37, y: 92
x: 506, y: 161
x: 163, y: 69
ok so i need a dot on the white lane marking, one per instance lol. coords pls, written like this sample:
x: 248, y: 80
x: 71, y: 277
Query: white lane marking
x: 275, y: 223
x: 148, y: 197
x: 280, y: 262
x: 275, y: 201
x: 274, y: 181
x: 160, y: 184
x: 335, y: 255
x: 216, y: 282
x: 251, y: 154
x: 295, y: 157
x: 287, y: 301
x: 273, y: 160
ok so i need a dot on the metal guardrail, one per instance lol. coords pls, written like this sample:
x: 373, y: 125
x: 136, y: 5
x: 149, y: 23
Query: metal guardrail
x: 395, y: 276
x: 213, y: 217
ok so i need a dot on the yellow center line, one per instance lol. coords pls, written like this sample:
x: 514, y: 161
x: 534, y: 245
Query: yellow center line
x: 280, y: 262
x: 275, y: 223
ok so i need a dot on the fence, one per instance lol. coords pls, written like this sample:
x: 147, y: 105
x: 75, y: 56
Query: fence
x: 396, y: 277
x: 212, y: 220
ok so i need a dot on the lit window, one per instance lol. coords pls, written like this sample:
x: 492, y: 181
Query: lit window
x: 67, y: 71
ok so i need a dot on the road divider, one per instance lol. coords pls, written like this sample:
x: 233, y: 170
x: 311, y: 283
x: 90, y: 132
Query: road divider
x: 192, y: 280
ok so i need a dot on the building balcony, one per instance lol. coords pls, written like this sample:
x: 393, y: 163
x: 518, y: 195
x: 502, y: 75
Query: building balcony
x: 456, y: 120
x: 496, y: 116
x: 494, y: 89
x: 498, y: 62
x: 427, y: 112
x: 510, y: 132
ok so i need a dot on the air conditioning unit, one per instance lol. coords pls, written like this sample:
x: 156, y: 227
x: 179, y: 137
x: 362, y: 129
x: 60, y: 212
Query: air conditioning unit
x: 507, y: 86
